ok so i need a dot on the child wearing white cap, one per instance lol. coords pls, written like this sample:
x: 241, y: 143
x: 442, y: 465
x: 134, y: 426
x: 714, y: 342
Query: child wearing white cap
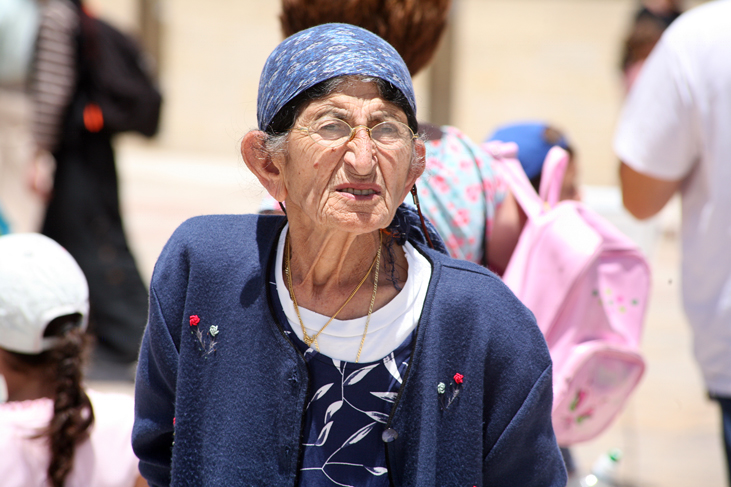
x: 52, y: 430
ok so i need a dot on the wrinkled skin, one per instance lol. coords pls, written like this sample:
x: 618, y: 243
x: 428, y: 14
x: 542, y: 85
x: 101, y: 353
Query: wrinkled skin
x: 334, y: 233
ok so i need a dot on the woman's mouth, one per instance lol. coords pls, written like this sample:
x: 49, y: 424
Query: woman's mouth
x: 357, y: 192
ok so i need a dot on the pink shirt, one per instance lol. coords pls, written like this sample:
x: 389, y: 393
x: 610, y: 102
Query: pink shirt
x: 104, y: 460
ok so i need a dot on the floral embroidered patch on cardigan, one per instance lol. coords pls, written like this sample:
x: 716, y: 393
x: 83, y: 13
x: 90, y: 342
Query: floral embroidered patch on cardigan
x: 446, y: 398
x: 207, y: 342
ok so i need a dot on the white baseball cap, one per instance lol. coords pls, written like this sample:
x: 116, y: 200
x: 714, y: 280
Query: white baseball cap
x: 39, y: 281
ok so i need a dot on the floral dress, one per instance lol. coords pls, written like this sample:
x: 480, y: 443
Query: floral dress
x: 459, y: 193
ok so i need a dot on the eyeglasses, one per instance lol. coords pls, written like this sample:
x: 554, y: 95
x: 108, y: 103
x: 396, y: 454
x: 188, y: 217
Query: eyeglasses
x: 333, y: 132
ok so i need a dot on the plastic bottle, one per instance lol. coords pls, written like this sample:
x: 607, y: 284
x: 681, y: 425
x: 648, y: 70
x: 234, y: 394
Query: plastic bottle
x: 604, y: 471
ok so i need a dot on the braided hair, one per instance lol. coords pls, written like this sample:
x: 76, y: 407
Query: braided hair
x: 72, y: 411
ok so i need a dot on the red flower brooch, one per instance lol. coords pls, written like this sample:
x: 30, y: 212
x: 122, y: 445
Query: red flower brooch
x: 455, y: 387
x: 208, y: 341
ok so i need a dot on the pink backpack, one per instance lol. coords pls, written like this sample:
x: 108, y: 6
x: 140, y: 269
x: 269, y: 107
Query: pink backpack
x: 588, y: 286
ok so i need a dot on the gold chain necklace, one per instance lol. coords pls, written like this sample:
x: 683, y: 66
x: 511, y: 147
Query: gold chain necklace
x: 309, y: 340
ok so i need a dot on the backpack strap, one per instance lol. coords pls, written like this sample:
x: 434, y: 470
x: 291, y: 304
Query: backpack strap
x: 554, y: 168
x: 505, y: 155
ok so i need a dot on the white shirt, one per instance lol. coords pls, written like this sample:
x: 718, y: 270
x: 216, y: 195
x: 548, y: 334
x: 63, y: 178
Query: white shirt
x: 388, y: 328
x: 676, y: 124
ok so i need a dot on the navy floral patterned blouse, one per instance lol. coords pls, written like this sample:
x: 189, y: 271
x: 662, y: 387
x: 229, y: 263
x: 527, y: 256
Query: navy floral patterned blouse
x: 347, y: 410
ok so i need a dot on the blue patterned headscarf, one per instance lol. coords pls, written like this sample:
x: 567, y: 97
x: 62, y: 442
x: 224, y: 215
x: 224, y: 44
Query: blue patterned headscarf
x: 323, y: 52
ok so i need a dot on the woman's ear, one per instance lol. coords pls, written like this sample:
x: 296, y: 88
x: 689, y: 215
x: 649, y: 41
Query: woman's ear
x: 418, y: 165
x: 266, y: 167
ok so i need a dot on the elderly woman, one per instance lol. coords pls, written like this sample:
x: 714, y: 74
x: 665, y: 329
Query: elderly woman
x: 333, y: 346
x: 461, y: 193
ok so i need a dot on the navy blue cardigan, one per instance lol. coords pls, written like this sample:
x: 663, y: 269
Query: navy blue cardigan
x: 231, y: 412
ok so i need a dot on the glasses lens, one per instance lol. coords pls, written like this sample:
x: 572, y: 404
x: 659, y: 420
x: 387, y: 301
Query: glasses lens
x: 330, y: 133
x: 390, y: 135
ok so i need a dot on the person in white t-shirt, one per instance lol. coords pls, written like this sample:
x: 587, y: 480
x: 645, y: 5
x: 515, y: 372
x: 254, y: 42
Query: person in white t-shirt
x: 674, y: 135
x: 53, y: 431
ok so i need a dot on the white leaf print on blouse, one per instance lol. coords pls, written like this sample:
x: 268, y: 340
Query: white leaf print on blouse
x: 322, y: 438
x: 354, y: 438
x: 386, y: 396
x: 358, y: 435
x: 309, y: 353
x: 378, y: 416
x: 358, y: 375
x: 320, y: 392
x: 377, y: 471
x: 390, y: 362
x: 332, y: 409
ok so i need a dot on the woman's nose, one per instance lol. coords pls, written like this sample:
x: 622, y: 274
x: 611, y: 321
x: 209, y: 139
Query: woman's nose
x: 361, y: 150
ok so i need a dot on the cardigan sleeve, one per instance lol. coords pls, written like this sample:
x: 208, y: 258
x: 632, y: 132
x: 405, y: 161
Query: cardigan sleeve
x: 521, y: 447
x: 152, y: 435
x: 526, y: 451
x: 157, y: 369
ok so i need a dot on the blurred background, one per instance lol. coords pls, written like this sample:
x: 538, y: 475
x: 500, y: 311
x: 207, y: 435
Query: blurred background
x: 500, y: 61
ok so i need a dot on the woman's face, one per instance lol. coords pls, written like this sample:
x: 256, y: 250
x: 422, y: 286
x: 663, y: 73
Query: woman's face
x: 355, y: 187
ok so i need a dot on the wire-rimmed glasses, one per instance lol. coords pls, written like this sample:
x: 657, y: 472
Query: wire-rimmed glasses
x: 333, y: 132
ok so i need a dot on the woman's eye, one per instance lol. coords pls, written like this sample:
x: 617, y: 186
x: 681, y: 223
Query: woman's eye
x: 332, y: 126
x: 329, y: 127
x: 386, y: 130
x: 333, y: 129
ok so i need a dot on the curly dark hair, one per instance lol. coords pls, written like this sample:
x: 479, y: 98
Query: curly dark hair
x: 72, y: 411
x: 412, y: 27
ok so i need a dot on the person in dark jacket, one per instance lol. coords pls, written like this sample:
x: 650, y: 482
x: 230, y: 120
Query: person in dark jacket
x: 339, y: 344
x: 83, y: 213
